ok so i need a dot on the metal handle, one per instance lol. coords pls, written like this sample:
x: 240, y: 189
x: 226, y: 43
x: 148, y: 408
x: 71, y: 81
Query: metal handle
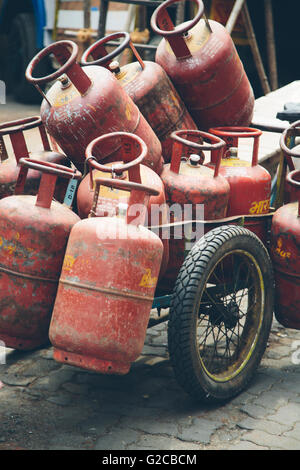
x: 68, y: 63
x: 126, y: 185
x: 128, y: 150
x: 100, y: 55
x: 50, y: 172
x: 295, y: 130
x: 174, y: 35
x: 162, y: 19
x: 216, y: 144
x: 15, y: 131
x: 139, y: 195
x: 12, y: 127
x: 232, y: 134
x: 50, y: 168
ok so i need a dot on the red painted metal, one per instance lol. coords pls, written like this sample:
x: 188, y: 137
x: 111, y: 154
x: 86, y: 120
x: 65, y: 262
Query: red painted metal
x: 189, y: 184
x: 88, y: 102
x: 250, y: 183
x: 129, y: 168
x: 200, y: 58
x: 106, y: 288
x: 149, y: 87
x: 17, y: 132
x: 285, y: 253
x: 34, y: 233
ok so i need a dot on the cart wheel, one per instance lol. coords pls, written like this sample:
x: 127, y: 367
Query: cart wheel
x: 221, y: 313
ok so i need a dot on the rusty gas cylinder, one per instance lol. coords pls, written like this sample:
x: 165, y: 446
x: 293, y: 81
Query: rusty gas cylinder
x: 129, y: 168
x: 285, y: 254
x: 250, y: 183
x: 193, y: 192
x: 107, y: 286
x: 201, y: 60
x: 149, y: 87
x: 9, y: 170
x: 86, y: 102
x: 34, y: 233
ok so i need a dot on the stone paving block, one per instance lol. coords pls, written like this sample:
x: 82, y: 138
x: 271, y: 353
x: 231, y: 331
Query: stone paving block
x: 18, y: 380
x: 294, y: 433
x: 77, y: 389
x: 246, y: 446
x: 117, y: 439
x: 201, y: 430
x: 152, y: 425
x: 40, y: 367
x: 253, y: 410
x: 263, y: 425
x: 262, y: 438
x: 261, y: 383
x: 149, y: 442
x: 61, y: 398
x: 288, y: 414
x: 54, y: 379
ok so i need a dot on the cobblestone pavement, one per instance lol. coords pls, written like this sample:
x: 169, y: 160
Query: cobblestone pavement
x: 47, y: 405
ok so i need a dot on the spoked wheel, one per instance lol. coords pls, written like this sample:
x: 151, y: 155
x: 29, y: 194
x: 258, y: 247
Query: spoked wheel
x: 221, y: 313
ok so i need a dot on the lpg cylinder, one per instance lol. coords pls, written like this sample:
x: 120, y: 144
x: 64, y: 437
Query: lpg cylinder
x: 34, y: 233
x: 250, y: 183
x: 18, y: 136
x: 106, y: 287
x: 149, y: 87
x: 193, y: 192
x: 129, y: 168
x: 200, y: 58
x: 87, y: 102
x: 285, y: 254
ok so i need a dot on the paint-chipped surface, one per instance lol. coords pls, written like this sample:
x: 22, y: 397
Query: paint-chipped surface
x: 212, y: 81
x: 105, y: 294
x: 155, y: 95
x: 75, y: 120
x: 285, y: 252
x: 32, y: 247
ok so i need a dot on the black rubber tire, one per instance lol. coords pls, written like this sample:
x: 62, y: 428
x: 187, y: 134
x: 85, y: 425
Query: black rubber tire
x: 21, y: 49
x: 200, y: 263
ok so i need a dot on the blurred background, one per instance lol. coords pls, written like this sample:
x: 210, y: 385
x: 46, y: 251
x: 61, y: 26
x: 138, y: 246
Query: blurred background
x: 268, y: 50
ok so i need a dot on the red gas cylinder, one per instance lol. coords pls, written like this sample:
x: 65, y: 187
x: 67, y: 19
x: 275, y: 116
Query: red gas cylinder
x: 106, y: 288
x: 34, y: 234
x: 200, y: 58
x: 290, y: 152
x: 88, y: 102
x: 129, y: 168
x: 285, y: 253
x: 250, y: 183
x: 18, y: 135
x: 193, y: 192
x: 149, y: 87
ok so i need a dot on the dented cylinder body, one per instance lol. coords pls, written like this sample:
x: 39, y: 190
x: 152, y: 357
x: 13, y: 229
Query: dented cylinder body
x: 75, y: 119
x: 210, y: 78
x: 32, y: 247
x: 153, y: 92
x: 198, y: 195
x: 105, y: 295
x: 285, y: 254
